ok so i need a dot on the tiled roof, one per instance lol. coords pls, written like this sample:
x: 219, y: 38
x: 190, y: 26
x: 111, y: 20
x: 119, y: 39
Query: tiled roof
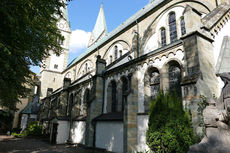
x: 32, y: 107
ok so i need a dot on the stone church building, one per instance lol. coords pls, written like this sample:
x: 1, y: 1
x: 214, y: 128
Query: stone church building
x: 101, y: 99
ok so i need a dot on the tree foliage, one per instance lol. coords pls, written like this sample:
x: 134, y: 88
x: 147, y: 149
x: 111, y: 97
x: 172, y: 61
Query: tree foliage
x: 170, y: 129
x: 27, y: 32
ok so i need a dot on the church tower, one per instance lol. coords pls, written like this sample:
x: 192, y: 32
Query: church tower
x: 59, y: 63
x: 50, y: 71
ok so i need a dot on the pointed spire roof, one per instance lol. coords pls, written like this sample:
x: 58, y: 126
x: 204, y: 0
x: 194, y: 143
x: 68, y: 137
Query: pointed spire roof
x: 224, y: 57
x: 100, y: 28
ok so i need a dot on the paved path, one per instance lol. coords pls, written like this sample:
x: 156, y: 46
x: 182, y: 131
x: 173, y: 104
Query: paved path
x: 9, y: 144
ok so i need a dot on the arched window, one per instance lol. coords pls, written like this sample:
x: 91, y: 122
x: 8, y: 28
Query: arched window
x: 70, y: 104
x: 120, y: 53
x: 182, y: 25
x: 175, y: 78
x: 86, y: 101
x: 111, y: 59
x: 115, y: 52
x: 151, y: 86
x: 112, y: 97
x: 154, y: 84
x: 125, y: 89
x: 86, y: 97
x: 163, y: 37
x: 172, y: 27
x: 86, y: 67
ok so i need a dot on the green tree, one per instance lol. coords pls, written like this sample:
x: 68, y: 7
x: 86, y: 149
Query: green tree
x: 170, y: 129
x: 27, y: 32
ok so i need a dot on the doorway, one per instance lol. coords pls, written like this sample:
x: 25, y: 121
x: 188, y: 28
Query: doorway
x: 54, y: 133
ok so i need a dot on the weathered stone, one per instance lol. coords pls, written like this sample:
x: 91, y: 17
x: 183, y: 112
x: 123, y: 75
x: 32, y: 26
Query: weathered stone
x: 217, y: 138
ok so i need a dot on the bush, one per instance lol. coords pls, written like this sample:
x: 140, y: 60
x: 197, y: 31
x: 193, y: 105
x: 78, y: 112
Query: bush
x: 33, y: 129
x: 170, y: 129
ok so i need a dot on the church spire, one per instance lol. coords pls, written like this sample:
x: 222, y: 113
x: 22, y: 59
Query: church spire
x: 100, y: 28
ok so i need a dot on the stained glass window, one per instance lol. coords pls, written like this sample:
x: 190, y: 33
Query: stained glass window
x: 172, y: 27
x: 175, y: 79
x: 154, y: 84
x: 115, y: 52
x: 120, y: 53
x: 86, y: 67
x: 163, y: 37
x: 111, y: 59
x: 125, y: 88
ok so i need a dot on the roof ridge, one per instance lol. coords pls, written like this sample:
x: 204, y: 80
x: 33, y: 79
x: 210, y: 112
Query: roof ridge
x: 122, y: 26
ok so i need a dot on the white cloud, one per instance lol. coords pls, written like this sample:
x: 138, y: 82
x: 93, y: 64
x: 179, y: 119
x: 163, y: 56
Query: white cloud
x: 79, y: 40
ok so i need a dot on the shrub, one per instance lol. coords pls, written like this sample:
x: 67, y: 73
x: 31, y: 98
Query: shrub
x: 33, y: 129
x: 170, y: 129
x: 20, y: 135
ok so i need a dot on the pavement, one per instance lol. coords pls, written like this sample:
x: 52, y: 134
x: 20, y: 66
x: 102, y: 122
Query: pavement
x: 9, y: 144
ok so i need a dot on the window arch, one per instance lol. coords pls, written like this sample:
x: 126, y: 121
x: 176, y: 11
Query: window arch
x: 112, y: 97
x: 120, y: 52
x: 111, y: 59
x: 125, y: 90
x: 70, y: 105
x: 163, y: 37
x: 154, y: 83
x: 182, y: 25
x: 115, y: 52
x: 174, y: 73
x: 172, y: 27
x: 152, y: 86
x: 86, y: 97
x: 86, y: 101
x: 86, y: 67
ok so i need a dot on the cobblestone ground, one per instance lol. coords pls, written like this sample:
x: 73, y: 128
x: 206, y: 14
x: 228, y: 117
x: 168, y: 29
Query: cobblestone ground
x: 9, y: 144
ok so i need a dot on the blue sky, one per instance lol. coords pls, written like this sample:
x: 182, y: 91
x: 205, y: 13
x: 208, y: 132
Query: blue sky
x: 83, y: 15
